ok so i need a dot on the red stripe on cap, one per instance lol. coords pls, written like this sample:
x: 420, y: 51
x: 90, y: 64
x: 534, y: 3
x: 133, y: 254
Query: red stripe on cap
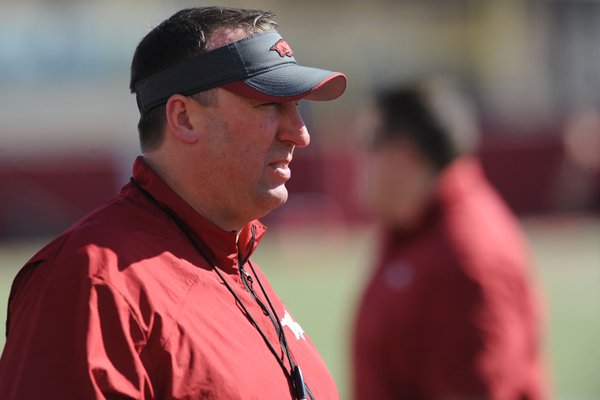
x: 239, y: 87
x: 328, y: 89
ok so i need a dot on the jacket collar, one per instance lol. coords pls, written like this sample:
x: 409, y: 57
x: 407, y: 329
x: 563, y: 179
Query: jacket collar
x: 222, y: 246
x: 455, y: 182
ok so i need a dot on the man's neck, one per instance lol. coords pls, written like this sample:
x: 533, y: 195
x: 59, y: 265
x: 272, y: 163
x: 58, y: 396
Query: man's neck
x: 176, y: 181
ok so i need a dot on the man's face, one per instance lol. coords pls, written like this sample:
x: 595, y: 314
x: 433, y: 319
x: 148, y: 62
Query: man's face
x: 399, y: 182
x: 246, y: 149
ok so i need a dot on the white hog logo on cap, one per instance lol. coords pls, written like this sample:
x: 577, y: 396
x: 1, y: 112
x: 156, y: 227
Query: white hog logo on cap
x: 282, y: 48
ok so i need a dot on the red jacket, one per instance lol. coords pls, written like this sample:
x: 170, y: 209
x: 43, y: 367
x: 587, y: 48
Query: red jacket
x: 123, y: 306
x: 450, y: 310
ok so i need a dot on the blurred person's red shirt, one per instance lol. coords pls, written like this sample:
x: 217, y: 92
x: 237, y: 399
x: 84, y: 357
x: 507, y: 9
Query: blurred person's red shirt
x: 450, y: 310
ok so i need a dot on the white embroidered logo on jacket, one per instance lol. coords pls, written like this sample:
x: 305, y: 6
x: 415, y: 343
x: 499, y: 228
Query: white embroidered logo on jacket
x: 295, y: 327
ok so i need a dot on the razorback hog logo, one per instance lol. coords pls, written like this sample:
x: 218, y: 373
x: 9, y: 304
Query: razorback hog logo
x: 282, y: 48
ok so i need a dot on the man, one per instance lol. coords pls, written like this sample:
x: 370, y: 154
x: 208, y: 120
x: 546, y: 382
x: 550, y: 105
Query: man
x: 450, y: 311
x: 154, y: 295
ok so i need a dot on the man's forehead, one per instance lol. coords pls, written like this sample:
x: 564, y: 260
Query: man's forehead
x: 223, y: 36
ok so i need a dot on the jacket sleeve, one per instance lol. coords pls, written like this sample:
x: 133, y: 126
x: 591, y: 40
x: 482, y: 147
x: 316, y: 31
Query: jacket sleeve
x: 475, y: 336
x: 70, y: 337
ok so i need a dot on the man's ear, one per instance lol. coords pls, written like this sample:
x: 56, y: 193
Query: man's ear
x: 177, y: 111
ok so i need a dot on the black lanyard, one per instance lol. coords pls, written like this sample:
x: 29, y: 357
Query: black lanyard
x: 299, y: 388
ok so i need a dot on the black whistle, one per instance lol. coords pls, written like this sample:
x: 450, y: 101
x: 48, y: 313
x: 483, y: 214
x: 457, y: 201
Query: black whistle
x: 298, y: 383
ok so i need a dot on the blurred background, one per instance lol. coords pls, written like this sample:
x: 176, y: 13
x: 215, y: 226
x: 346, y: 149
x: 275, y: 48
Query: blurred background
x: 532, y: 67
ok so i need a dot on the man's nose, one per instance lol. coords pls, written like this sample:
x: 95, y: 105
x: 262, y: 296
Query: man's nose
x: 292, y: 128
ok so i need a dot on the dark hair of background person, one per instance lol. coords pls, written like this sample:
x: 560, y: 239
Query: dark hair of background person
x: 183, y: 36
x: 432, y: 115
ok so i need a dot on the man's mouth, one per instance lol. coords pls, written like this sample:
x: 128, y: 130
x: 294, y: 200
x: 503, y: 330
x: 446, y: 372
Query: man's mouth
x: 282, y: 168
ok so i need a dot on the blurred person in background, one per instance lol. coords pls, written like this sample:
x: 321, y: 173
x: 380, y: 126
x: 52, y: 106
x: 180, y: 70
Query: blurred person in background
x: 154, y: 295
x: 450, y: 311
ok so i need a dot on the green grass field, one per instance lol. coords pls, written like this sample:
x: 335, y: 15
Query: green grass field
x: 319, y: 275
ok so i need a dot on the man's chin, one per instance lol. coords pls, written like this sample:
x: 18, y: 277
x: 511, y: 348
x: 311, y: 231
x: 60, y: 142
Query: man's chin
x: 275, y: 198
